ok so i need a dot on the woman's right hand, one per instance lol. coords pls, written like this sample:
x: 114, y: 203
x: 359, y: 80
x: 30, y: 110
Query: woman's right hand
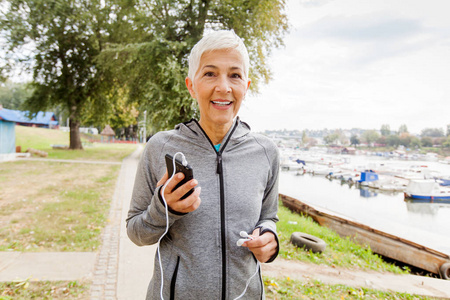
x: 173, y: 197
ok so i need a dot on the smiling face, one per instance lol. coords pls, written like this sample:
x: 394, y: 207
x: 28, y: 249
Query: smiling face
x: 219, y: 86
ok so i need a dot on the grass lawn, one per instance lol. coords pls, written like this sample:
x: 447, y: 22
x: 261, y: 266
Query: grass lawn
x: 52, y: 206
x: 277, y: 289
x: 342, y: 252
x: 43, y: 139
x: 24, y: 290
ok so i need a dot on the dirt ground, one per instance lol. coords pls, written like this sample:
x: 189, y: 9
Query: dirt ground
x: 25, y: 186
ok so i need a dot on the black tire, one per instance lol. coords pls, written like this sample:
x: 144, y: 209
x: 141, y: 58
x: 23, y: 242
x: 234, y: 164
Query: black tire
x: 445, y: 271
x: 309, y: 242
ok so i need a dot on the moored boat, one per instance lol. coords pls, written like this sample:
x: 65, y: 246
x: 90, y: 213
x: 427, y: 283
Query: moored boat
x: 427, y: 190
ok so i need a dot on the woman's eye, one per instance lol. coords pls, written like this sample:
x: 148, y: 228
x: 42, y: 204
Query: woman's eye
x: 209, y: 74
x: 235, y: 75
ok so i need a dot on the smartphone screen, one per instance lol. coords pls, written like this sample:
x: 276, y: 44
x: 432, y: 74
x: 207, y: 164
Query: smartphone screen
x: 186, y: 170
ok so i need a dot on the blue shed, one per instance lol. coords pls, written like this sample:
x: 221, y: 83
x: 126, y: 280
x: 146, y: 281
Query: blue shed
x: 42, y: 119
x: 7, y: 136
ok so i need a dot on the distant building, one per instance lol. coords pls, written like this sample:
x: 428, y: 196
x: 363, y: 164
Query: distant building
x: 42, y: 119
x: 108, y: 133
x: 349, y: 150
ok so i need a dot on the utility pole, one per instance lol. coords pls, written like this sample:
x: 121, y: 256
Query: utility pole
x: 145, y: 126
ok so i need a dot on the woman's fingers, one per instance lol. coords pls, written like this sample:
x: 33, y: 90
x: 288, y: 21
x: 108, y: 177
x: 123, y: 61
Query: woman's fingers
x: 173, y: 196
x: 188, y: 204
x: 263, y: 246
x: 163, y: 179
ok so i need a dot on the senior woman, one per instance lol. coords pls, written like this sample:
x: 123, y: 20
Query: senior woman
x: 236, y: 172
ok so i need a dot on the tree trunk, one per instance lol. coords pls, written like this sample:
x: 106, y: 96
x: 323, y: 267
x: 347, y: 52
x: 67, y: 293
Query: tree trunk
x: 75, y: 137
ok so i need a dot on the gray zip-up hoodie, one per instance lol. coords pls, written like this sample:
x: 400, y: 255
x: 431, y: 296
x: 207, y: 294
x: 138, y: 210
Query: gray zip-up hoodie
x: 200, y: 258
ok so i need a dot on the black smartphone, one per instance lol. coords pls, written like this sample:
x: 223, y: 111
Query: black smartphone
x: 186, y: 170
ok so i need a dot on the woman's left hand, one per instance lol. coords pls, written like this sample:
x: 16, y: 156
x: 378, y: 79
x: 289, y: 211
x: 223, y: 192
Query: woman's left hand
x: 262, y: 246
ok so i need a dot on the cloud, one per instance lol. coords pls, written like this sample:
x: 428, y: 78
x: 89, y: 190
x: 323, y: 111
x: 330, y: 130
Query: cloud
x: 370, y: 37
x: 362, y: 28
x: 313, y: 3
x: 358, y: 63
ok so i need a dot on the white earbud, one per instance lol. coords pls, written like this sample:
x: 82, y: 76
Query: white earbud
x: 244, y: 234
x: 241, y: 241
x: 246, y: 237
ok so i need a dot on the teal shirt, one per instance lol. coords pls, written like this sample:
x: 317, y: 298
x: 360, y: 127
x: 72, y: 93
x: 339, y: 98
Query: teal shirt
x: 217, y: 147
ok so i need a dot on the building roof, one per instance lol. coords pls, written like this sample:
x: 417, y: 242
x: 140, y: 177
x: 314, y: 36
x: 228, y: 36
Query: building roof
x: 108, y: 131
x: 41, y: 118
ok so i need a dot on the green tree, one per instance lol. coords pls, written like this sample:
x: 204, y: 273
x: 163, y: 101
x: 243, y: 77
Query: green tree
x: 426, y: 141
x: 403, y: 129
x: 88, y: 52
x: 334, y: 137
x: 437, y: 142
x: 354, y: 140
x: 67, y: 36
x: 304, y: 138
x: 370, y: 136
x: 432, y: 132
x: 446, y: 143
x: 13, y: 95
x: 385, y: 130
x: 405, y: 139
x: 415, y: 142
x: 393, y: 140
x: 153, y: 66
x: 330, y: 138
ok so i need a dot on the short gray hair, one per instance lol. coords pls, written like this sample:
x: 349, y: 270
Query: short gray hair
x: 217, y: 40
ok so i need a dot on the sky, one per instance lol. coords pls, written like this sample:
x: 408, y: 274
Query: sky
x: 358, y: 64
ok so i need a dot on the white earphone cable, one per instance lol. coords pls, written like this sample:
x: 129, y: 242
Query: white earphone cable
x: 167, y: 220
x: 248, y: 281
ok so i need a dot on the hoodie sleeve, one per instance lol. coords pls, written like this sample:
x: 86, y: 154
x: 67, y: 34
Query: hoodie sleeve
x: 147, y: 219
x: 268, y: 218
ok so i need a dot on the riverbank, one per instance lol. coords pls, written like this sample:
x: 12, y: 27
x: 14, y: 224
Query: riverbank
x: 344, y: 270
x: 287, y: 279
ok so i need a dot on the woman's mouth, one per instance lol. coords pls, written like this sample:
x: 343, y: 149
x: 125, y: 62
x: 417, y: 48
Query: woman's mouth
x: 222, y: 103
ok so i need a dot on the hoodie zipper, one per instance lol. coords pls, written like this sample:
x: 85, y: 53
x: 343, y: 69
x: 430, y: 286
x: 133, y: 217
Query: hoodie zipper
x: 219, y: 171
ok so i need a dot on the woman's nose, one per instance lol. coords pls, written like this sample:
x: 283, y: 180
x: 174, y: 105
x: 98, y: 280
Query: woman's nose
x: 223, y: 85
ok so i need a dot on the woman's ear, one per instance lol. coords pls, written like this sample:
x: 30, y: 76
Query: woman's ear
x: 248, y: 85
x: 190, y: 87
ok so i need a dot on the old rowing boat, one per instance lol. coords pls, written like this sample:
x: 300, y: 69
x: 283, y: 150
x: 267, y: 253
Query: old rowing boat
x: 380, y: 242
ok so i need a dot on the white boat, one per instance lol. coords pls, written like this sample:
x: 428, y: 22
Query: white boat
x: 431, y: 156
x: 388, y: 185
x: 324, y: 170
x: 445, y: 161
x: 416, y: 172
x: 427, y: 190
x: 291, y: 165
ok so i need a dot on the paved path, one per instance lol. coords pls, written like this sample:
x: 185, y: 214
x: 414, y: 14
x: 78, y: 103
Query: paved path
x: 50, y: 266
x: 73, y: 161
x: 122, y: 270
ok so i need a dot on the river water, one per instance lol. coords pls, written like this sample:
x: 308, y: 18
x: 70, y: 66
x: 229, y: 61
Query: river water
x: 427, y: 224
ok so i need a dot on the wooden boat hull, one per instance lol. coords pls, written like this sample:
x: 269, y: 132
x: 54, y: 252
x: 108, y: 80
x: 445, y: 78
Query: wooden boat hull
x: 380, y: 242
